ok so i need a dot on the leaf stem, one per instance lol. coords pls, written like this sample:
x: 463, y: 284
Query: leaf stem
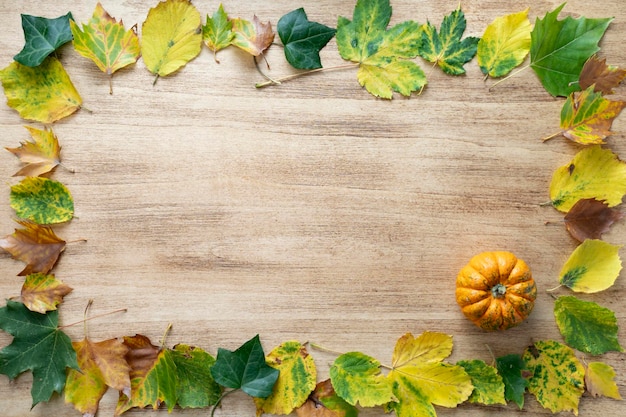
x: 120, y: 310
x: 325, y: 349
x: 509, y: 76
x: 552, y: 136
x: 219, y: 400
x: 111, y: 84
x: 555, y: 288
x: 89, y: 303
x: 278, y: 81
x: 165, y: 334
x: 156, y: 78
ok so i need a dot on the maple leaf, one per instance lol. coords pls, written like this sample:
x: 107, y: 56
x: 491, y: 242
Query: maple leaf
x: 42, y: 201
x: 44, y: 93
x: 43, y: 36
x: 253, y: 37
x: 303, y: 39
x: 324, y: 402
x: 511, y: 368
x: 38, y: 346
x: 488, y: 384
x: 599, y: 380
x: 102, y: 365
x: 40, y: 156
x: 592, y: 267
x: 589, y: 218
x: 559, y: 49
x: 196, y: 387
x: 382, y: 54
x: 446, y: 48
x: 171, y: 36
x: 217, y: 34
x: 603, y: 77
x: 35, y: 245
x: 42, y: 293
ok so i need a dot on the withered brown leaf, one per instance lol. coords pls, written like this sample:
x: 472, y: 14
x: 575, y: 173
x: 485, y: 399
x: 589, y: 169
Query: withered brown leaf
x: 605, y: 77
x: 589, y: 218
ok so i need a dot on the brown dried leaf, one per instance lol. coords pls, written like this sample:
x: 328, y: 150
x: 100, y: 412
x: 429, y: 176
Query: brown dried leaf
x: 597, y: 72
x: 589, y: 218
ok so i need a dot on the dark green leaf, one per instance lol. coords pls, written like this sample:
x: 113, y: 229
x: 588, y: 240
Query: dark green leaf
x: 303, y: 39
x: 196, y: 386
x: 43, y: 36
x: 512, y: 368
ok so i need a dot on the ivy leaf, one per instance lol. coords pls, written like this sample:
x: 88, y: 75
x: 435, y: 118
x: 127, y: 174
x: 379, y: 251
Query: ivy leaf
x: 303, y: 39
x: 42, y: 293
x: 356, y: 378
x: 593, y: 173
x: 600, y: 380
x: 586, y: 326
x: 43, y: 36
x: 40, y: 156
x: 38, y: 246
x: 590, y: 218
x: 324, y: 402
x: 102, y: 365
x: 253, y: 37
x: 512, y: 368
x: 446, y: 48
x: 44, y: 93
x: 592, y: 267
x: 559, y: 49
x: 488, y: 384
x: 196, y: 387
x: 217, y: 34
x: 245, y: 369
x: 505, y: 44
x: 382, y: 54
x: 421, y: 379
x: 171, y: 36
x: 603, y: 77
x: 558, y: 377
x: 42, y: 201
x: 296, y: 379
x: 38, y: 346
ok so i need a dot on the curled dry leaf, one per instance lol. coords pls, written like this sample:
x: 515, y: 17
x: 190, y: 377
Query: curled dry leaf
x: 604, y: 77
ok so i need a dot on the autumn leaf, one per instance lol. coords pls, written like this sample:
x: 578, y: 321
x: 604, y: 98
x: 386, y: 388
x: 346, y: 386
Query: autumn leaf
x: 324, y: 402
x: 217, y: 34
x: 303, y: 39
x: 296, y: 379
x: 42, y: 293
x: 592, y: 267
x: 171, y: 36
x: 38, y: 246
x: 586, y: 326
x: 488, y: 384
x: 382, y: 54
x: 41, y: 155
x: 600, y: 380
x: 557, y: 379
x: 603, y: 77
x: 42, y: 201
x: 446, y: 48
x: 253, y: 37
x: 593, y: 173
x: 102, y: 365
x: 590, y: 218
x: 560, y: 48
x: 44, y: 93
x: 38, y: 346
x: 512, y: 369
x: 43, y: 36
x: 196, y: 387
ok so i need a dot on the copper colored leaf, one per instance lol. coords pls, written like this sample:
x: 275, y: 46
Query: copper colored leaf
x: 324, y: 402
x: 604, y: 77
x: 36, y: 245
x: 42, y: 293
x: 589, y: 218
x: 41, y: 155
x: 253, y: 37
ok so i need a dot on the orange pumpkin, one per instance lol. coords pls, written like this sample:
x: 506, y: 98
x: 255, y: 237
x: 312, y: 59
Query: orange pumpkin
x: 496, y: 290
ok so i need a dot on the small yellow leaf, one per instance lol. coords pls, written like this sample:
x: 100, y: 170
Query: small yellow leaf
x: 42, y: 293
x: 600, y: 380
x: 593, y: 266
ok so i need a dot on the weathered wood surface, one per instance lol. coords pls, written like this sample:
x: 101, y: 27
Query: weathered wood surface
x: 307, y: 211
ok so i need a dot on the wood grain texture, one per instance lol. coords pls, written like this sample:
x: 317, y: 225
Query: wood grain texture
x: 308, y: 211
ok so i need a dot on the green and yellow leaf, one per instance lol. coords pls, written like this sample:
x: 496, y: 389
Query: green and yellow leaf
x: 217, y: 34
x: 593, y: 266
x: 253, y: 37
x: 42, y: 293
x: 600, y: 381
x: 488, y: 384
x: 196, y: 387
x: 42, y: 201
x: 40, y: 155
x: 324, y: 402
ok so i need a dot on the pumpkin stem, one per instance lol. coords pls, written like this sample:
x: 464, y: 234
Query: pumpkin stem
x: 498, y: 291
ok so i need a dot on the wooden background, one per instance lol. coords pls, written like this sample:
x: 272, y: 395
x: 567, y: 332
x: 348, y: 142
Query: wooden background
x: 308, y: 211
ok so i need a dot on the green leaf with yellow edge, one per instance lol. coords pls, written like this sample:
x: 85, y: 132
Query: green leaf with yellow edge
x: 512, y: 369
x: 324, y: 402
x: 558, y: 377
x: 217, y: 34
x: 600, y: 380
x: 42, y: 201
x: 488, y: 384
x: 356, y: 378
x: 171, y: 36
x: 420, y: 378
x: 505, y: 44
x: 44, y: 93
x: 382, y: 54
x: 593, y: 173
x: 42, y: 37
x: 295, y: 382
x: 102, y: 365
x: 40, y: 156
x: 593, y: 266
x: 196, y: 387
x: 42, y: 293
x: 446, y: 48
x: 587, y: 326
x: 253, y: 37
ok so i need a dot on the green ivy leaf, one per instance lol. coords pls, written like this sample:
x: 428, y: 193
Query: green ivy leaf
x: 488, y: 384
x: 38, y: 346
x: 511, y: 368
x: 245, y: 369
x: 196, y: 387
x: 587, y: 326
x: 43, y: 36
x: 42, y: 200
x: 217, y: 33
x: 303, y: 39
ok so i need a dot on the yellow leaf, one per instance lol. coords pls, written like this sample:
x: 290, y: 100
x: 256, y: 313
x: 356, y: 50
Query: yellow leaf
x: 40, y: 156
x: 42, y: 293
x: 600, y: 380
x: 593, y: 266
x: 172, y: 36
x: 427, y: 347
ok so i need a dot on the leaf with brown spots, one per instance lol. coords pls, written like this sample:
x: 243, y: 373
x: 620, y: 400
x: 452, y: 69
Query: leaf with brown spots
x: 324, y: 402
x: 40, y: 156
x: 43, y: 293
x: 605, y: 77
x: 253, y: 37
x: 589, y: 218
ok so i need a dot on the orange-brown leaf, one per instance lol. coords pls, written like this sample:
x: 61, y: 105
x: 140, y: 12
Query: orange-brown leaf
x: 141, y: 356
x: 253, y: 37
x: 36, y: 245
x: 40, y: 156
x: 589, y: 218
x: 605, y: 77
x: 324, y: 402
x: 43, y: 293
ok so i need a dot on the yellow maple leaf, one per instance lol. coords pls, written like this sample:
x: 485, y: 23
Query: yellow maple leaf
x: 40, y: 156
x: 43, y: 293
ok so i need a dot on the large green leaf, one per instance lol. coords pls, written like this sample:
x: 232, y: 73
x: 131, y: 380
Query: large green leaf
x: 592, y: 267
x: 303, y: 39
x: 488, y: 384
x: 511, y: 368
x: 42, y: 200
x: 38, y: 346
x: 196, y: 387
x: 560, y: 48
x: 43, y: 36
